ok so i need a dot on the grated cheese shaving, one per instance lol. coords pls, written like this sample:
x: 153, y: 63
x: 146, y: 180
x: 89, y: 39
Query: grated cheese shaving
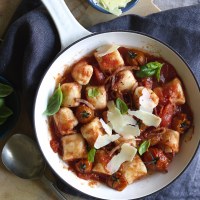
x: 106, y: 49
x: 106, y: 127
x: 103, y: 140
x: 146, y: 103
x: 127, y: 153
x: 130, y: 132
x: 147, y: 118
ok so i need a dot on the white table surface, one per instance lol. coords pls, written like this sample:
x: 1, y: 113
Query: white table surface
x: 12, y: 187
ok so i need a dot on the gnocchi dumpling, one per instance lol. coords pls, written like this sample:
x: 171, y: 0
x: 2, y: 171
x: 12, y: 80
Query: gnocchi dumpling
x: 82, y: 72
x: 124, y: 81
x: 133, y: 170
x: 65, y: 120
x: 170, y: 141
x: 74, y: 147
x: 178, y: 96
x: 101, y: 161
x: 139, y: 92
x: 71, y: 92
x: 109, y: 62
x: 92, y: 130
x: 171, y: 91
x: 97, y: 96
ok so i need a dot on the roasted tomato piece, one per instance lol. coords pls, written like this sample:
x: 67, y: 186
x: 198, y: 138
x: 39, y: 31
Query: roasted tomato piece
x: 181, y: 123
x: 83, y: 166
x: 84, y: 114
x: 167, y: 73
x: 155, y: 159
x: 162, y: 98
x: 166, y: 115
x: 135, y: 57
x: 117, y: 181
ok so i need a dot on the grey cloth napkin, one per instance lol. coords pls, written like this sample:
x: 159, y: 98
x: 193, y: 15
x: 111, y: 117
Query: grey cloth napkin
x: 32, y: 42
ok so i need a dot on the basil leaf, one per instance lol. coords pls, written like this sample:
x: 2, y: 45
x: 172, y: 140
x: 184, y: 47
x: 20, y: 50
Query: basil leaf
x: 91, y: 155
x: 157, y: 66
x: 121, y: 105
x: 5, y: 90
x: 154, y: 65
x: 144, y: 147
x: 1, y: 102
x: 54, y: 102
x: 158, y: 73
x: 93, y: 92
x: 5, y: 112
x: 2, y: 120
x: 150, y: 69
x: 145, y: 72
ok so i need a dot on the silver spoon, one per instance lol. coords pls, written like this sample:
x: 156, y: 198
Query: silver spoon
x: 21, y: 156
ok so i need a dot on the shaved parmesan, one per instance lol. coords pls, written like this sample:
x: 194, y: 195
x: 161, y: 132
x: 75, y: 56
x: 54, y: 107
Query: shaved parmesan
x: 146, y: 103
x: 146, y: 117
x: 130, y: 132
x: 124, y: 125
x: 127, y: 153
x: 103, y: 140
x: 113, y: 6
x: 106, y: 49
x: 106, y: 127
x: 115, y: 117
x: 128, y: 120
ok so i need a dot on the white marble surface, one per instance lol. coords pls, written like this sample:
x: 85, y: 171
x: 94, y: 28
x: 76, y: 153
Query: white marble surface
x: 12, y: 187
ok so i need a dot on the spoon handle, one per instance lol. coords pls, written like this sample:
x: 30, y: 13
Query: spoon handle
x: 54, y: 188
x: 57, y: 191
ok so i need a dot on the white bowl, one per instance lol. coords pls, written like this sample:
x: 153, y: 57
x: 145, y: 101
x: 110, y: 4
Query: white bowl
x: 79, y: 49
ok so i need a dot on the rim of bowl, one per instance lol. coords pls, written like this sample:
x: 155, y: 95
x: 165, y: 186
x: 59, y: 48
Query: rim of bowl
x: 127, y: 31
x: 14, y: 104
x: 125, y: 9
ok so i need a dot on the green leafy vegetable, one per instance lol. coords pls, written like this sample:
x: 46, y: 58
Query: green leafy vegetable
x: 144, y: 147
x: 93, y: 92
x: 150, y: 69
x: 54, y: 102
x: 2, y: 120
x: 91, y: 155
x: 5, y: 90
x: 5, y: 112
x: 121, y: 105
x: 2, y: 101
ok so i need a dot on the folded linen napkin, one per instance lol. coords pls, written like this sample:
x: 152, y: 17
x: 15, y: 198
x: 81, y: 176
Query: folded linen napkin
x: 32, y: 41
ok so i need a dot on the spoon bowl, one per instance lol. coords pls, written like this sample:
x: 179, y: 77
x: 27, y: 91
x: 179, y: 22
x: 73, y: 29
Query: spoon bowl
x: 21, y: 156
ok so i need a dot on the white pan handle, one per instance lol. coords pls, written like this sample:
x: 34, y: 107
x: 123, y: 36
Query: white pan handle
x: 68, y: 27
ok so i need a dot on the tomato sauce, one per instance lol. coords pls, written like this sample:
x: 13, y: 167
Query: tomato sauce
x: 155, y: 158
